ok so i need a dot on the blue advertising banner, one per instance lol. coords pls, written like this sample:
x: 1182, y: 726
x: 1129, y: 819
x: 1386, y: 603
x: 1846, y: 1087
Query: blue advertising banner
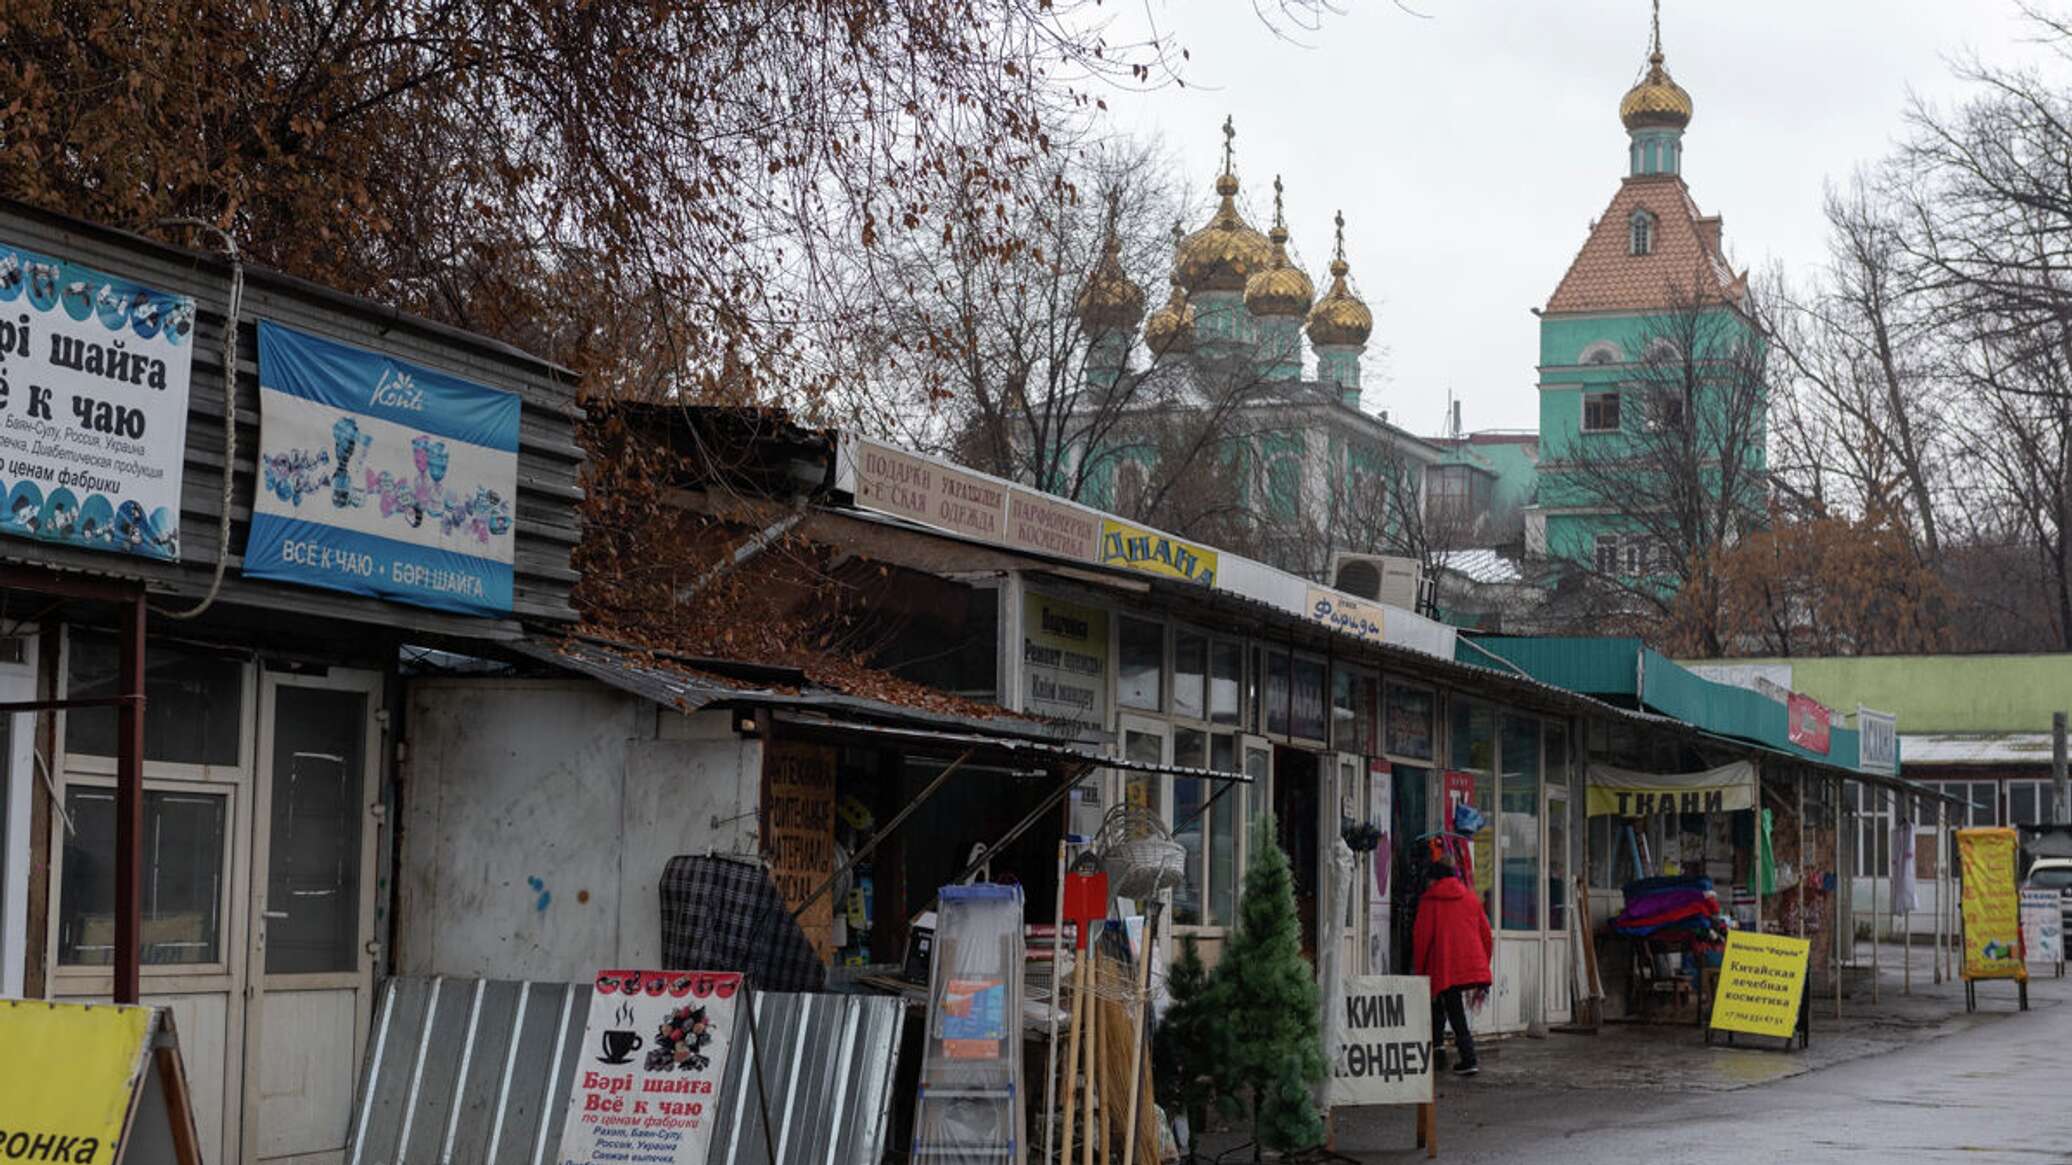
x: 93, y: 406
x: 382, y: 477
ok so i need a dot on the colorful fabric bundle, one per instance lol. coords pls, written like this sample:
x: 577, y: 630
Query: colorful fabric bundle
x: 1685, y: 906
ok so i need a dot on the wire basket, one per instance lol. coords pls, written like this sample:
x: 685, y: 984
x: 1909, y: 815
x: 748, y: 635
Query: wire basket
x: 1139, y: 853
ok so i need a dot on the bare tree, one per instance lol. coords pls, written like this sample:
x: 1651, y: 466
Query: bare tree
x: 1683, y: 474
x: 1865, y: 426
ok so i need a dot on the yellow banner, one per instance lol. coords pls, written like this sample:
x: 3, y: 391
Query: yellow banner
x: 67, y: 1072
x: 1992, y: 905
x: 1761, y: 981
x: 1154, y: 553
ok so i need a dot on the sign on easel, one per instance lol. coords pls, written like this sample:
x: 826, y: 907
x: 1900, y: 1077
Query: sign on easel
x: 1762, y: 983
x: 654, y: 1055
x: 93, y: 1082
x: 1384, y: 1054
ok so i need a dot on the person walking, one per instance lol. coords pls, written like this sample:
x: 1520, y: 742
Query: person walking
x: 1450, y: 945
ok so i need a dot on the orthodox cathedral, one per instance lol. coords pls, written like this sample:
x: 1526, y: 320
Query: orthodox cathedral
x: 1497, y: 521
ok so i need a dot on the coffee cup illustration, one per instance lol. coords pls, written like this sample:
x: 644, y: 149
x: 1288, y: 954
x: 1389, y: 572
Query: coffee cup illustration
x: 619, y: 1046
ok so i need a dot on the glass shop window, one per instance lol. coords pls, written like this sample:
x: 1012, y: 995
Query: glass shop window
x: 1190, y: 675
x: 1307, y: 717
x: 1521, y: 823
x: 1142, y: 675
x: 1409, y: 724
x: 182, y: 878
x: 1274, y: 693
x: 193, y: 701
x: 1226, y: 681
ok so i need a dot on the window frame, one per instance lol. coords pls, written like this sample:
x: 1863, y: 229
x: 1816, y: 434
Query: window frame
x: 1598, y: 397
x: 1640, y: 228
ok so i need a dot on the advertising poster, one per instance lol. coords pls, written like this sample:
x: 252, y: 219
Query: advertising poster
x: 654, y: 1053
x: 93, y: 406
x: 68, y: 1077
x: 381, y: 477
x: 1342, y: 612
x: 1064, y: 660
x: 1991, y: 904
x: 2043, y: 926
x: 1381, y: 801
x: 1384, y: 1055
x: 1761, y: 981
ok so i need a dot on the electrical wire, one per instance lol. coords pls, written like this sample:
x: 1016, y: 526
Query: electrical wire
x: 237, y: 295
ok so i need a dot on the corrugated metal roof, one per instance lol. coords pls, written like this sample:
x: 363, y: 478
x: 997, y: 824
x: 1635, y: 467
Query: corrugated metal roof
x: 688, y: 690
x: 1490, y: 567
x: 1985, y: 748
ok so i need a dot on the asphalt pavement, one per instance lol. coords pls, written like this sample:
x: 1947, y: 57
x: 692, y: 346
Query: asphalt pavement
x: 1990, y: 1087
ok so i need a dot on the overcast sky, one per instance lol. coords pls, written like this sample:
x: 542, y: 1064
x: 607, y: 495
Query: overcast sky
x: 1471, y: 149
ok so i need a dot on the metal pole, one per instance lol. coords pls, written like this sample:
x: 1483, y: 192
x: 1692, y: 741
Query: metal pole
x: 129, y: 807
x: 1942, y: 829
x: 1836, y: 978
x: 1877, y: 875
x: 1801, y: 888
x: 2057, y: 768
x: 1906, y: 930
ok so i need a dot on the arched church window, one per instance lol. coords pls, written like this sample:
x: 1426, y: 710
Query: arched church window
x: 1601, y: 352
x: 1640, y: 233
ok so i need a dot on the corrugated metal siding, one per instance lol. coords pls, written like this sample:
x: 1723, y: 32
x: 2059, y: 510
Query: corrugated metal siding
x: 549, y: 461
x: 478, y: 1072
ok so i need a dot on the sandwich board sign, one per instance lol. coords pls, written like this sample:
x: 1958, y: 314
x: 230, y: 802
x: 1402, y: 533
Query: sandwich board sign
x: 647, y: 1085
x: 92, y: 1082
x: 1384, y: 1053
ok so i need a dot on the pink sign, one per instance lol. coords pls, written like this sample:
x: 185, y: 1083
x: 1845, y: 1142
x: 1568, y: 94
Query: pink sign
x: 1808, y: 723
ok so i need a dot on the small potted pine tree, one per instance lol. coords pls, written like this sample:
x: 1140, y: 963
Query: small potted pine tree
x: 1183, y: 1050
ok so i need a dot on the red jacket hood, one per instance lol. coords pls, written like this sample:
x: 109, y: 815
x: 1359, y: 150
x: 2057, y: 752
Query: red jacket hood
x: 1448, y: 887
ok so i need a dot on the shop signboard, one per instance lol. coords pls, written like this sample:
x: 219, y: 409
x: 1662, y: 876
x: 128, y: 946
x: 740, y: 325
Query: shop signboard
x: 1618, y: 792
x: 798, y: 818
x: 1806, y: 723
x: 2043, y: 926
x: 653, y: 1057
x: 1877, y: 741
x: 1345, y: 614
x: 1990, y: 904
x: 1762, y: 981
x: 1384, y: 1053
x: 93, y: 406
x: 895, y: 482
x: 1151, y: 552
x: 381, y: 477
x: 76, y: 1079
x: 1048, y: 525
x: 1064, y: 660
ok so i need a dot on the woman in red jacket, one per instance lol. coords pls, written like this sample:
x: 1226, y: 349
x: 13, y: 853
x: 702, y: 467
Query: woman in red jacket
x: 1451, y: 944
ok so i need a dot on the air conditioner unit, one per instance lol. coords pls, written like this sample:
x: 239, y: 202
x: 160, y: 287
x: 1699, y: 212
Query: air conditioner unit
x: 1384, y: 578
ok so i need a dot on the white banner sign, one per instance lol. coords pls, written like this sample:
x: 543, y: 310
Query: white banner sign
x: 2043, y: 926
x: 1384, y: 1042
x: 653, y: 1056
x: 93, y: 406
x: 1877, y: 741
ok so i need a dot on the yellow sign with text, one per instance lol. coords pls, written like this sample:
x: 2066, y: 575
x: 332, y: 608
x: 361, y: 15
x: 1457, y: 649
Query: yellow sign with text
x: 1761, y: 983
x: 1992, y: 905
x: 1154, y: 553
x: 67, y: 1074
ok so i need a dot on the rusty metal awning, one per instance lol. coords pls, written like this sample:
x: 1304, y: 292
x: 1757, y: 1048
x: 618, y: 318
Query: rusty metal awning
x: 996, y: 747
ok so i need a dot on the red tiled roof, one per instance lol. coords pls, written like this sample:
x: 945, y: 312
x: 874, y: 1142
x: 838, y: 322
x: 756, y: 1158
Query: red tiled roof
x: 1685, y: 257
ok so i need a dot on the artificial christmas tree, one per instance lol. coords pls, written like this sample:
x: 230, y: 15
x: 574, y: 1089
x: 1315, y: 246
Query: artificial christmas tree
x: 1271, y: 1048
x: 1183, y: 1053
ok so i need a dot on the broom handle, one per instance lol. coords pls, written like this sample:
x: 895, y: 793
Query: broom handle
x: 1057, y: 1000
x: 1137, y: 1026
x: 1093, y: 1044
x: 1072, y: 1056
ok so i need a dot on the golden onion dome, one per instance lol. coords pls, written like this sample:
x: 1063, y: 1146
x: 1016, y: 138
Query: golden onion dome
x: 1224, y: 254
x: 1657, y: 102
x: 1110, y: 302
x: 1340, y: 318
x: 1171, y: 328
x: 1281, y: 289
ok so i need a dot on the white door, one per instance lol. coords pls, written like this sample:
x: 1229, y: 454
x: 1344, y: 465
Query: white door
x: 316, y: 817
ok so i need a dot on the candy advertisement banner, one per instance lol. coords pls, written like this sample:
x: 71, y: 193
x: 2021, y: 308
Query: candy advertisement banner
x: 382, y: 477
x: 94, y: 374
x: 654, y: 1054
x: 1991, y: 904
x: 2043, y: 926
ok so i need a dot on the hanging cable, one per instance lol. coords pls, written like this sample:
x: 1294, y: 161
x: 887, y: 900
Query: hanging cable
x: 237, y: 295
